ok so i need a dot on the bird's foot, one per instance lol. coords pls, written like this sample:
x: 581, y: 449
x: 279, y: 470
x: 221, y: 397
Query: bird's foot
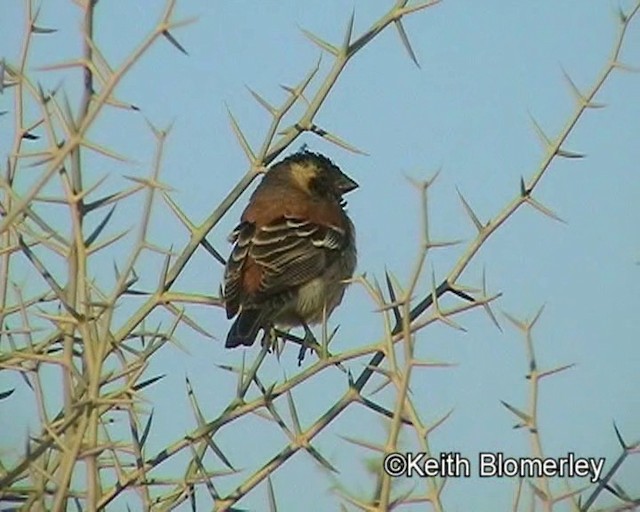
x: 269, y: 338
x: 308, y: 342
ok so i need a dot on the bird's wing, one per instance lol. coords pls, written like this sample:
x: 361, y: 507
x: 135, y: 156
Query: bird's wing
x: 294, y: 251
x: 241, y: 238
x: 278, y: 257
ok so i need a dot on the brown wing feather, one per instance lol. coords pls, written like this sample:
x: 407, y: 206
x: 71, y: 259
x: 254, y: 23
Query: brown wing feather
x: 280, y: 244
x: 292, y: 252
x: 276, y: 258
x: 234, y: 282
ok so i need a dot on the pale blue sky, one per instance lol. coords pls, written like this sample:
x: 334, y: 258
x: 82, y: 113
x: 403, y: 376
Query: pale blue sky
x: 485, y: 67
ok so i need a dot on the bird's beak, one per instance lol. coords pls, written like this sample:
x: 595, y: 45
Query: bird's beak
x: 346, y: 184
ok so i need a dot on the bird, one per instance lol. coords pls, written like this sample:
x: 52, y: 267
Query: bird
x: 293, y: 249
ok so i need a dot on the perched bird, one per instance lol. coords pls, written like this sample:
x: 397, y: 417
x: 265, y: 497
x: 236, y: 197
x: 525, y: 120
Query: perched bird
x: 293, y: 248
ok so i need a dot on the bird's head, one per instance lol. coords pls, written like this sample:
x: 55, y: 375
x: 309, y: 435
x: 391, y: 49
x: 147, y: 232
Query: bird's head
x: 315, y: 174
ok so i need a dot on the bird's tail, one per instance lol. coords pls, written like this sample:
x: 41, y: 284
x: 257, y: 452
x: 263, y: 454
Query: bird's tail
x: 245, y: 329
